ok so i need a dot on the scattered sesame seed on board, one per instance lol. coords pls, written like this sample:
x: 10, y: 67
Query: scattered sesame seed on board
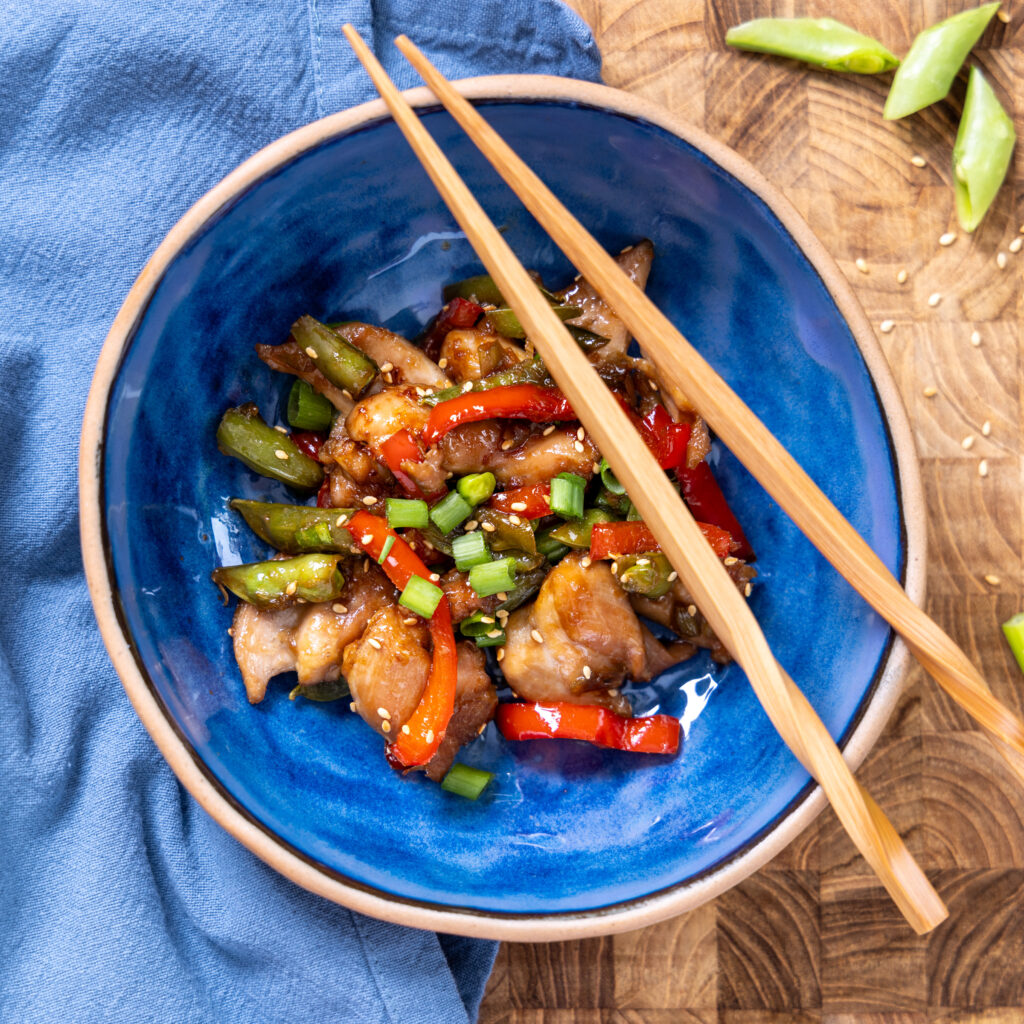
x: 374, y: 643
x: 862, y: 265
x: 901, y: 276
x: 934, y: 299
x: 886, y: 326
x: 311, y: 352
x: 282, y: 455
x: 918, y: 161
x: 1016, y: 244
x: 948, y: 238
x: 992, y: 581
x: 967, y: 443
x: 975, y: 338
x: 983, y: 467
x: 986, y: 428
x: 1001, y: 260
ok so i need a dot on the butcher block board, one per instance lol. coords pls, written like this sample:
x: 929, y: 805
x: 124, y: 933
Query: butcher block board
x: 812, y: 938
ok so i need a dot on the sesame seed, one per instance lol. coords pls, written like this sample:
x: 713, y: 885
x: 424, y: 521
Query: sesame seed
x: 405, y: 730
x: 411, y: 621
x: 471, y: 525
x: 536, y: 637
x: 1015, y: 245
x: 596, y: 467
x: 353, y: 706
x: 901, y: 276
x: 587, y: 671
x: 518, y: 506
x: 385, y: 726
x: 468, y: 386
x: 886, y: 326
x: 383, y: 712
x: 505, y: 445
x: 369, y: 500
x: 731, y: 560
x: 501, y: 595
x: 918, y: 161
x: 930, y: 391
x: 486, y: 619
x: 580, y: 433
x: 291, y: 588
x: 643, y: 561
x: 615, y: 568
x: 747, y: 590
x: 975, y: 338
x: 434, y: 577
x: 282, y: 455
x: 347, y: 393
x: 387, y: 367
x: 339, y: 608
x: 311, y: 352
x: 673, y: 576
x: 862, y: 265
x: 281, y: 430
x: 515, y: 520
x: 986, y: 428
x: 501, y: 654
x: 483, y: 725
x: 374, y: 643
x: 430, y: 736
x: 585, y: 562
x: 983, y: 467
x: 366, y: 565
x: 967, y: 443
x: 992, y: 581
x: 614, y: 693
x: 494, y: 634
x: 691, y: 610
x: 1001, y: 260
x: 488, y: 527
x: 366, y: 538
x: 652, y: 384
x: 578, y: 445
x: 422, y: 392
x: 231, y: 631
x: 341, y: 520
x: 548, y: 430
x: 948, y: 238
x: 1003, y: 16
x: 301, y: 600
x: 442, y: 362
x: 389, y: 378
x: 934, y: 299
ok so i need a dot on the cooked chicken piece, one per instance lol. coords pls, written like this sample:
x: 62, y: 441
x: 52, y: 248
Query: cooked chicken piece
x: 306, y: 638
x: 474, y: 447
x: 391, y: 677
x: 411, y: 364
x: 374, y: 419
x: 699, y: 444
x: 463, y: 599
x: 290, y: 358
x: 579, y: 640
x: 597, y: 315
x: 542, y: 457
x: 471, y: 354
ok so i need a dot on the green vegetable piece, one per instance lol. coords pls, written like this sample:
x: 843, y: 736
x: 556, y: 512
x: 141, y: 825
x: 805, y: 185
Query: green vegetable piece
x: 477, y: 487
x: 386, y: 550
x: 297, y: 529
x: 421, y: 596
x: 645, y: 574
x: 587, y: 340
x: 1013, y: 630
x: 567, y: 495
x: 981, y: 153
x: 281, y: 582
x: 479, y: 289
x: 506, y: 535
x: 527, y: 371
x: 307, y: 409
x: 609, y: 479
x: 553, y: 550
x: 243, y: 434
x: 823, y: 42
x: 478, y: 624
x: 329, y: 689
x: 450, y: 511
x: 505, y: 322
x: 338, y: 360
x: 406, y: 512
x: 617, y: 504
x: 576, y: 534
x: 935, y: 57
x: 465, y: 781
x: 470, y: 549
x: 493, y: 577
x: 527, y: 585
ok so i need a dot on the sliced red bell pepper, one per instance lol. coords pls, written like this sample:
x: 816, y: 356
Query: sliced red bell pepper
x: 707, y: 503
x: 456, y: 315
x: 666, y: 439
x: 323, y: 496
x: 655, y: 734
x: 430, y: 719
x: 536, y: 498
x: 308, y: 442
x: 513, y: 401
x: 634, y: 538
x: 399, y: 448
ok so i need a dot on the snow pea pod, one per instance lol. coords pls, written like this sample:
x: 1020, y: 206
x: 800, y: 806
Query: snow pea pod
x: 297, y: 529
x: 244, y: 434
x: 935, y: 57
x: 282, y: 582
x: 981, y: 154
x: 340, y: 362
x: 824, y: 42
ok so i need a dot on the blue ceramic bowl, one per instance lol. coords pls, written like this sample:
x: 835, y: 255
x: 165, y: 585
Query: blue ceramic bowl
x: 338, y: 219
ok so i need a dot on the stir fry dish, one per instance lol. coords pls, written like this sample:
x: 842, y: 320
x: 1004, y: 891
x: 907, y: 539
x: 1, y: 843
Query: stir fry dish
x: 466, y: 530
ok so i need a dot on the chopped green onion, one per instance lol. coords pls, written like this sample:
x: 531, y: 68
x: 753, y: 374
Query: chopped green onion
x: 477, y: 487
x: 308, y: 410
x: 411, y: 512
x: 633, y: 516
x: 465, y: 781
x: 567, y: 495
x: 493, y: 577
x: 470, y: 549
x: 421, y: 596
x: 478, y: 624
x: 450, y: 511
x: 386, y: 550
x: 609, y: 479
x: 1013, y: 630
x: 493, y: 638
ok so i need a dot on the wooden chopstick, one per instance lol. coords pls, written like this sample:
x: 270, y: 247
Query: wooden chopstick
x: 672, y: 524
x: 689, y: 375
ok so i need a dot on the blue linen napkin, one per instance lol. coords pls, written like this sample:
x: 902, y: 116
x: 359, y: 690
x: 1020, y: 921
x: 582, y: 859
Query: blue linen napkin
x: 119, y: 898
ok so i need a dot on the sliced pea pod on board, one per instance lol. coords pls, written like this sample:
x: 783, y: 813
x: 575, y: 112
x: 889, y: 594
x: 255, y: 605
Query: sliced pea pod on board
x: 981, y: 154
x: 297, y: 529
x: 243, y: 434
x: 935, y: 57
x: 281, y: 582
x: 823, y: 42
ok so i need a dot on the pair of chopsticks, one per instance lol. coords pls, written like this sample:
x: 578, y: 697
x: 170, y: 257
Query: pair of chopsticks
x: 685, y: 372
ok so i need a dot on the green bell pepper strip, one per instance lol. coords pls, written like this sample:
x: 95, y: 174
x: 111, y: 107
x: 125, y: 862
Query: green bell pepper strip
x: 243, y: 434
x: 307, y: 409
x: 297, y: 529
x: 646, y: 574
x: 935, y: 57
x: 506, y: 534
x: 981, y: 153
x: 576, y: 533
x: 823, y: 42
x: 340, y: 362
x: 479, y: 289
x: 1013, y: 630
x: 282, y: 582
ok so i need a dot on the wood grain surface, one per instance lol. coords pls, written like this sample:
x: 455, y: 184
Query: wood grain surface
x: 812, y: 938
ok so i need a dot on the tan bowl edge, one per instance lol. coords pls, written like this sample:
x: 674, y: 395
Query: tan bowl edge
x: 519, y: 928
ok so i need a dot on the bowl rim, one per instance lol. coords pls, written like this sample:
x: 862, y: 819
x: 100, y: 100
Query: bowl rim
x: 527, y: 927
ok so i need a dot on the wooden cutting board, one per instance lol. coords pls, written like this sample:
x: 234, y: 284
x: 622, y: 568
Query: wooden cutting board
x: 812, y: 938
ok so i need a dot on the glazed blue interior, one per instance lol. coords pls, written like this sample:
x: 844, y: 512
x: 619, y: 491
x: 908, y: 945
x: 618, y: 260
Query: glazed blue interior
x: 354, y: 228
